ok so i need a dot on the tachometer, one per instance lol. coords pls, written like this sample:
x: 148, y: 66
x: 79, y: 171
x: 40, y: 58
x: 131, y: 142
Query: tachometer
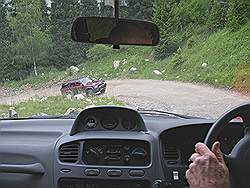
x: 129, y: 124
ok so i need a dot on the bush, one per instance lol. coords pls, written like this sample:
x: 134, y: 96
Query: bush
x: 237, y: 15
x: 166, y: 48
x: 99, y: 52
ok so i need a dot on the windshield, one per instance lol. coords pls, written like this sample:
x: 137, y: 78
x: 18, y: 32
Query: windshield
x: 200, y: 68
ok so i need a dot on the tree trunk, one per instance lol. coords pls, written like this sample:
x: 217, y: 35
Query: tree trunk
x: 35, y: 69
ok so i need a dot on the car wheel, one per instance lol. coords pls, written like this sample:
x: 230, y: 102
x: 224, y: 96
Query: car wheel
x: 90, y: 93
x: 103, y: 91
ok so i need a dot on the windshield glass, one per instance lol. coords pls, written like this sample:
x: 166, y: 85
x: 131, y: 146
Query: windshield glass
x: 200, y: 68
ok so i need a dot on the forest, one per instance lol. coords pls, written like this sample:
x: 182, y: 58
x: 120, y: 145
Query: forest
x: 35, y: 34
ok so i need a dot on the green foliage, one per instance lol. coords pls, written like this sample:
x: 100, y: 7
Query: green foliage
x: 28, y: 43
x: 4, y: 42
x: 64, y: 51
x: 56, y: 105
x: 166, y: 48
x: 180, y: 20
x: 237, y: 15
x: 140, y: 9
x: 217, y: 15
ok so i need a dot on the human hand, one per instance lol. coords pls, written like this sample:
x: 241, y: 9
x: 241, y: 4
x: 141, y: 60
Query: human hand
x: 208, y: 168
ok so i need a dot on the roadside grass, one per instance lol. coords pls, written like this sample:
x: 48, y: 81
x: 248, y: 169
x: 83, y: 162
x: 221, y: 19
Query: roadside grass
x: 221, y: 59
x: 56, y: 105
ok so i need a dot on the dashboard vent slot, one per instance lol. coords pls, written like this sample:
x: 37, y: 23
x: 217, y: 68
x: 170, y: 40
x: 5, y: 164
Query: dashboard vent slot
x: 170, y: 152
x: 69, y: 152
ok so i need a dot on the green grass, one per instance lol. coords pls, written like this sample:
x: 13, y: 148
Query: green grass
x: 227, y: 55
x: 56, y: 105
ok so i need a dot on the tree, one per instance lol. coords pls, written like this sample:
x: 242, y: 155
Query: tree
x: 45, y: 20
x: 29, y: 43
x: 64, y: 51
x: 4, y: 40
x: 140, y: 9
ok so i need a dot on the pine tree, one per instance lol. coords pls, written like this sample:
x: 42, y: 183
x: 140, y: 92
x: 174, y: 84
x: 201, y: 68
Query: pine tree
x: 45, y: 20
x: 66, y: 52
x: 140, y: 9
x: 4, y: 40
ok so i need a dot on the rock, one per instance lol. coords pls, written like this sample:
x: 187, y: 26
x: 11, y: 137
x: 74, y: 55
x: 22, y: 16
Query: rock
x: 157, y: 72
x: 12, y: 113
x: 204, y: 64
x: 78, y: 97
x: 74, y: 69
x: 68, y: 96
x: 147, y: 60
x: 215, y: 80
x: 133, y: 69
x: 3, y: 115
x: 124, y: 61
x: 116, y: 64
x: 43, y: 99
x: 105, y: 75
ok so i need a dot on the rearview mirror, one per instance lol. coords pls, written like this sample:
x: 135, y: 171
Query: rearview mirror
x: 101, y: 30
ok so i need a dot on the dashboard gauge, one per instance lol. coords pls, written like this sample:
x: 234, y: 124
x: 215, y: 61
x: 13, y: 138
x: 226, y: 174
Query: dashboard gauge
x: 90, y: 123
x: 109, y: 124
x: 129, y: 124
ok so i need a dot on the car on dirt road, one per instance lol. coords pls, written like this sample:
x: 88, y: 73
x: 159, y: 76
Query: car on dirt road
x: 88, y: 86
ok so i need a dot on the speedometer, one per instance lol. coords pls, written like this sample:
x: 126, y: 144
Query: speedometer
x: 109, y: 124
x: 90, y: 123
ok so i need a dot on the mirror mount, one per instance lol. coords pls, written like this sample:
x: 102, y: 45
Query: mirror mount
x: 117, y: 4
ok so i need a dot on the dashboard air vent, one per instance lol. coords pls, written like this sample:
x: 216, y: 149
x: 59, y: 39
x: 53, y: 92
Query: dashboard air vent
x: 69, y: 152
x: 170, y: 152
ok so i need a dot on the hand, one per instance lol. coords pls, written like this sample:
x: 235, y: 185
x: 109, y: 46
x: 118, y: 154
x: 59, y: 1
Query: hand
x: 208, y: 168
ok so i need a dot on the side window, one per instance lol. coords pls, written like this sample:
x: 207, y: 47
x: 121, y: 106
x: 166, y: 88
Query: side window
x: 77, y: 84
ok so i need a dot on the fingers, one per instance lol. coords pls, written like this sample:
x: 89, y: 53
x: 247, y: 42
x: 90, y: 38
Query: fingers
x: 194, y: 157
x: 202, y: 149
x: 217, y: 152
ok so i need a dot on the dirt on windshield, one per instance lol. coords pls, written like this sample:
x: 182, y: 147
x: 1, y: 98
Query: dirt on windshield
x: 172, y: 96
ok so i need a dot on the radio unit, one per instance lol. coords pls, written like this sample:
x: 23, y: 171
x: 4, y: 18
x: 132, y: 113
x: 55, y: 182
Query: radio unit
x: 116, y: 152
x: 94, y: 183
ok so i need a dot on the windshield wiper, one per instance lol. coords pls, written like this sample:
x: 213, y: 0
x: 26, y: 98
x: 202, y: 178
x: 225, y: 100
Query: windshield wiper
x: 42, y: 117
x: 169, y: 114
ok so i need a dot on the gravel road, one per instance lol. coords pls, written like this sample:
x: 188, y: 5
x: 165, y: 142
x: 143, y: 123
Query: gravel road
x: 178, y: 97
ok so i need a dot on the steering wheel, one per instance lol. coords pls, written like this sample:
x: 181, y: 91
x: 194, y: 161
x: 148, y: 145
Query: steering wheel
x: 238, y: 161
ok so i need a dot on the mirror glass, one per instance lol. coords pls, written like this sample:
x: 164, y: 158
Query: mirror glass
x: 101, y: 30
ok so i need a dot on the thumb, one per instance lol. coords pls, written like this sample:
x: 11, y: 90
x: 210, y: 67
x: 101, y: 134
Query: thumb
x: 217, y: 152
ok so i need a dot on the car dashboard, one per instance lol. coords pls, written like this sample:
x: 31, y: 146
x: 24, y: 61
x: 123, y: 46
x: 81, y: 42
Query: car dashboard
x: 111, y: 147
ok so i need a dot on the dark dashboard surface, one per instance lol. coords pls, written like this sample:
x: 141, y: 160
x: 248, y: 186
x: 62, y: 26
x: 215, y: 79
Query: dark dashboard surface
x: 156, y: 149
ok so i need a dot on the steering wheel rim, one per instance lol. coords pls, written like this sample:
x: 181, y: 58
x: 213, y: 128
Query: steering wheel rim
x: 236, y: 160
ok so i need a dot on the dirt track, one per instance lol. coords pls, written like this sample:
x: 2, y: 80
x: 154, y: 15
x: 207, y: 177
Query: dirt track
x: 184, y: 98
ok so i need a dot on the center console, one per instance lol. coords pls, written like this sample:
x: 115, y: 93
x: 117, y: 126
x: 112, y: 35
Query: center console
x: 106, y: 160
x: 116, y: 153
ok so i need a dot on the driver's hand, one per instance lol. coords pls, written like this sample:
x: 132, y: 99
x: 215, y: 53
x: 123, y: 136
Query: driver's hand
x: 207, y: 168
